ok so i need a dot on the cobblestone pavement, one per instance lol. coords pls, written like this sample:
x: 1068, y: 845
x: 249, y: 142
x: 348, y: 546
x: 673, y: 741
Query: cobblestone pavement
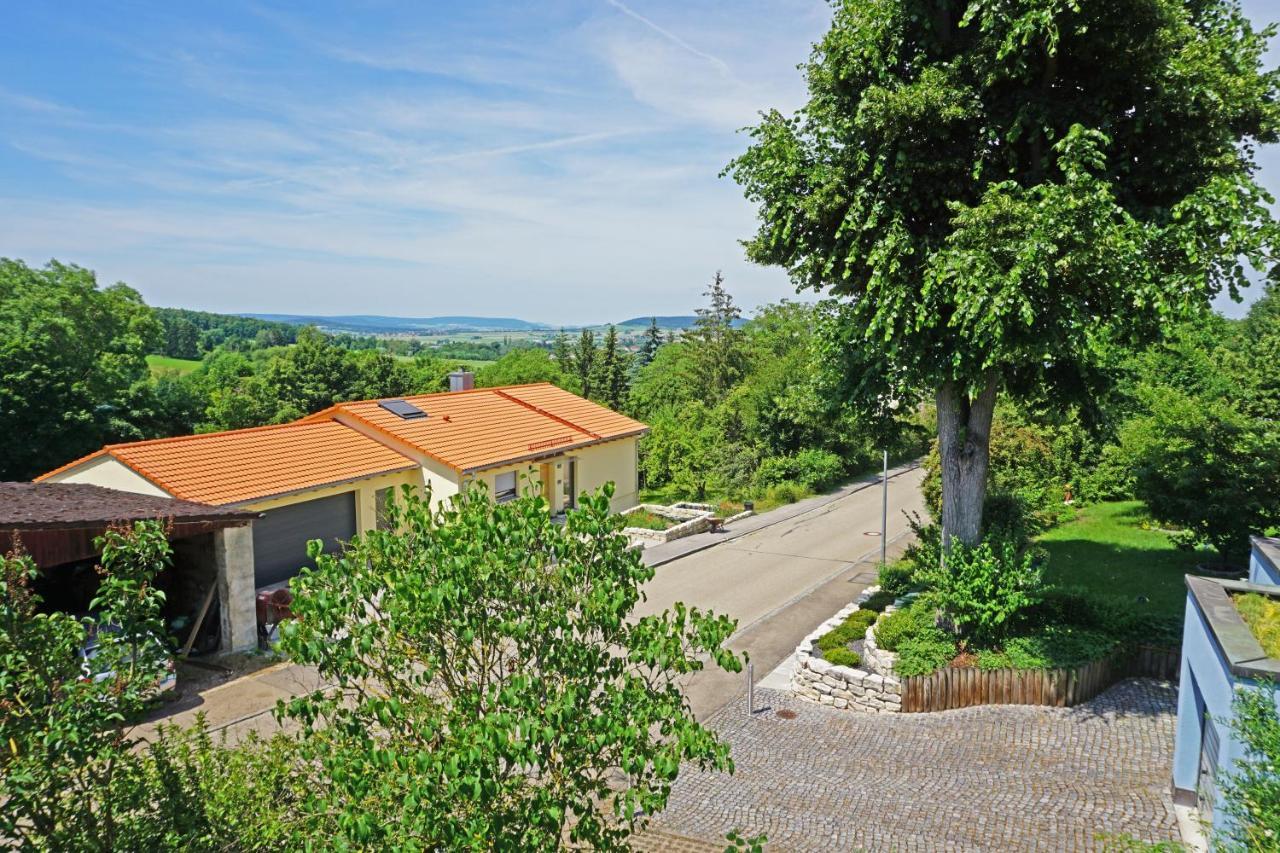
x: 1004, y: 777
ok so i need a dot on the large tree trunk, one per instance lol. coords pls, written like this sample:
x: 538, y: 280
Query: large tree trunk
x: 964, y: 441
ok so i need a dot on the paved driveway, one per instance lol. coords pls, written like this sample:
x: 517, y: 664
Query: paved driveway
x: 993, y: 778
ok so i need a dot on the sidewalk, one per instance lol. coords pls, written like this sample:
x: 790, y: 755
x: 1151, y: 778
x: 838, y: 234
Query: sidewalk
x: 661, y: 554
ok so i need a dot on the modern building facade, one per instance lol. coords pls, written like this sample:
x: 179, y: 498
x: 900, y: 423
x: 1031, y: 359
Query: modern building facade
x: 1220, y: 656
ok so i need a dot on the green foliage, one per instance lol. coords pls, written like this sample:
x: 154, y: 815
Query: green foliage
x: 815, y: 469
x: 504, y: 696
x: 612, y: 366
x: 1250, y: 792
x: 647, y: 520
x: 912, y: 633
x: 71, y: 355
x: 1202, y: 464
x: 854, y: 627
x: 896, y: 578
x: 979, y: 231
x: 718, y: 343
x: 66, y: 763
x: 1059, y: 647
x: 842, y: 657
x: 522, y: 366
x: 1033, y: 465
x: 924, y: 653
x: 771, y: 426
x: 916, y: 619
x: 785, y: 493
x: 881, y: 599
x: 1262, y: 614
x: 983, y: 589
x: 193, y: 334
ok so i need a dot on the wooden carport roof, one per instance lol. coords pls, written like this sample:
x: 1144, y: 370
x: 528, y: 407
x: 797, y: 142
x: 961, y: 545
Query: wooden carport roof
x: 56, y: 523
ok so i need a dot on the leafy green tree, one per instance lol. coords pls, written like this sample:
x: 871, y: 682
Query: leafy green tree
x: 1202, y: 464
x: 70, y: 355
x: 181, y: 339
x: 671, y: 379
x: 66, y: 763
x: 683, y: 447
x: 310, y: 376
x: 717, y: 342
x: 522, y: 366
x: 994, y: 193
x: 380, y: 374
x: 489, y: 685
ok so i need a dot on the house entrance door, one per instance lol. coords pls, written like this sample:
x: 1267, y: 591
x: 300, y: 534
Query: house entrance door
x: 570, y: 483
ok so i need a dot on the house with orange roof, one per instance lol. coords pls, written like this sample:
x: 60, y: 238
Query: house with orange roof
x: 326, y: 476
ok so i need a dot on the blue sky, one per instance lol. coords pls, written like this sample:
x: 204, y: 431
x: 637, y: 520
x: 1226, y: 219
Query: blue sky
x: 555, y: 161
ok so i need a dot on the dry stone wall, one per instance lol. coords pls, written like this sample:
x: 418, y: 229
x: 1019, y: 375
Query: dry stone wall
x: 871, y: 687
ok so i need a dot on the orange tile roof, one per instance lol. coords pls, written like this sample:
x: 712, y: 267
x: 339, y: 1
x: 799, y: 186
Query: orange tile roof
x: 252, y: 464
x: 484, y: 427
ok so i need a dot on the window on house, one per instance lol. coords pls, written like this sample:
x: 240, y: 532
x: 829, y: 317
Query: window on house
x: 504, y: 487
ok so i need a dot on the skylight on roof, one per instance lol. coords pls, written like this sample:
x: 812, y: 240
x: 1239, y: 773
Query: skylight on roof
x: 402, y: 409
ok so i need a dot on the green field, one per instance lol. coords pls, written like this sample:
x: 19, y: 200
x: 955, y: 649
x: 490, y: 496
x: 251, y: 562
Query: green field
x: 162, y: 364
x: 1111, y: 549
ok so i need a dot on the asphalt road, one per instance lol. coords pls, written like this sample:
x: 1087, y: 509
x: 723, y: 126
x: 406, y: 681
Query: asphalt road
x: 779, y: 582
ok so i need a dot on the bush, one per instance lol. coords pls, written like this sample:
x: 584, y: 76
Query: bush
x: 814, y: 469
x: 897, y: 578
x: 1251, y: 791
x: 785, y: 493
x: 924, y: 654
x: 842, y: 657
x: 878, y: 601
x: 1006, y: 517
x: 982, y: 589
x: 854, y: 627
x: 913, y: 621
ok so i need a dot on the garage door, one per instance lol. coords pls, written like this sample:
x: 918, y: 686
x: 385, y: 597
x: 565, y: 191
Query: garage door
x: 280, y: 537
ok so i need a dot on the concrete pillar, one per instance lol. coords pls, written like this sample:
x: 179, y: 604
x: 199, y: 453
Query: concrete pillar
x: 233, y: 556
x: 1186, y: 745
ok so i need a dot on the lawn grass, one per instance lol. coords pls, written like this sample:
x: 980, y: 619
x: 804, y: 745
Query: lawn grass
x: 162, y: 364
x: 1106, y: 550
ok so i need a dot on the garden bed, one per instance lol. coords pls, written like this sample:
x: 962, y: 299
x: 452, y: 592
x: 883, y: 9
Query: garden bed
x: 657, y: 524
x: 873, y: 680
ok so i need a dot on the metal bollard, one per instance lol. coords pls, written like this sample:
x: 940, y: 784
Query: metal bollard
x: 751, y: 689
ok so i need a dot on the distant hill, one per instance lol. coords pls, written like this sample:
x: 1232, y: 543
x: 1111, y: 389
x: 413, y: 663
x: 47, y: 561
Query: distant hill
x: 679, y: 321
x: 370, y: 323
x: 683, y: 321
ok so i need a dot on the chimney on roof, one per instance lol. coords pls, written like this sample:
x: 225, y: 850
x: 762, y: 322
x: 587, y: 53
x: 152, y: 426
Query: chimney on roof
x: 462, y: 380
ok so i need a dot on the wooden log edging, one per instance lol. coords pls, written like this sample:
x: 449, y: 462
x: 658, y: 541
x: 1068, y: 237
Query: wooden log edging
x: 950, y: 688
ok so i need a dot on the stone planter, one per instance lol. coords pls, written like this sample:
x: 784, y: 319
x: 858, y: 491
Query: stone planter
x: 689, y: 521
x: 872, y: 687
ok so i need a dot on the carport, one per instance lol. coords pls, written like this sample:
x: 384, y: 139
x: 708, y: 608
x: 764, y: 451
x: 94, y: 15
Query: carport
x: 57, y: 523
